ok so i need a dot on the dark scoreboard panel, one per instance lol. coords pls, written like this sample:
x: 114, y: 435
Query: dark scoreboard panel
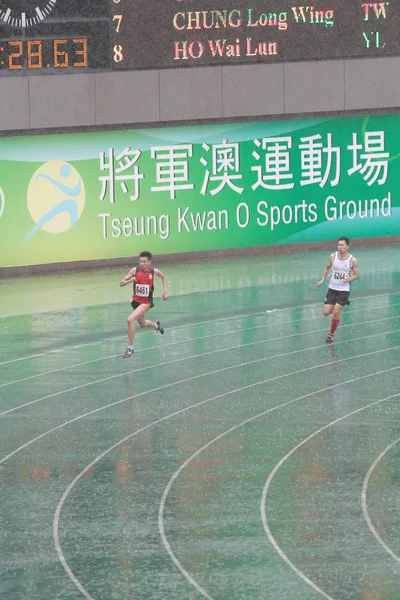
x: 55, y: 36
x: 178, y: 33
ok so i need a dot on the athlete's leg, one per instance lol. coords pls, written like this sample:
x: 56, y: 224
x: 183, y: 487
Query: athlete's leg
x: 337, y: 311
x: 328, y: 309
x: 146, y: 323
x: 136, y: 315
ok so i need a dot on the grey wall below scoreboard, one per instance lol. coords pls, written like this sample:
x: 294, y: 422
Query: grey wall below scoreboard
x: 149, y: 97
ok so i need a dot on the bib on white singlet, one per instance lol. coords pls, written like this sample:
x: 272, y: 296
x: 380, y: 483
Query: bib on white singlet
x: 340, y: 275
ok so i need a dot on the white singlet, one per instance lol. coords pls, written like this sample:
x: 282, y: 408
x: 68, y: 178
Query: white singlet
x: 340, y: 269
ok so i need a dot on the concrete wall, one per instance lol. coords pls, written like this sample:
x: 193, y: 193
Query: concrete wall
x: 151, y: 97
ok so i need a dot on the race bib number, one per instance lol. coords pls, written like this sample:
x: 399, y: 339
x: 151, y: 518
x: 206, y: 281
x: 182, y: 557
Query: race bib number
x: 142, y: 290
x: 340, y: 275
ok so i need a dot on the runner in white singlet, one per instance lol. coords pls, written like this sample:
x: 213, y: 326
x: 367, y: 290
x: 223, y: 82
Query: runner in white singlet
x: 344, y: 270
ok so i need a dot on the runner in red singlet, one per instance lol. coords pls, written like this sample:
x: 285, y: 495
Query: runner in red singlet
x: 142, y: 278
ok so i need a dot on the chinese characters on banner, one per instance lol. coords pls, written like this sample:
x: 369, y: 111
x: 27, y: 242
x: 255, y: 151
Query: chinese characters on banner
x: 320, y: 163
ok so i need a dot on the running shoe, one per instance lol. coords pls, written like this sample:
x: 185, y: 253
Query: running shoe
x: 128, y: 353
x: 329, y: 338
x: 159, y: 327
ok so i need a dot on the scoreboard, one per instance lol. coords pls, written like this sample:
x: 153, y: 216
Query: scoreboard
x: 59, y: 36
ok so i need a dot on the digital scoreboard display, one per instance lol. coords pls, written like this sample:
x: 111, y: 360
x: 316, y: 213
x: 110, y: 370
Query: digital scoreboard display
x: 90, y: 35
x: 49, y: 36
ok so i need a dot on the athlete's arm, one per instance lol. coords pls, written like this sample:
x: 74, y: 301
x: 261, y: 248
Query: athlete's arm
x: 164, y: 281
x: 130, y: 278
x: 354, y: 268
x: 326, y: 270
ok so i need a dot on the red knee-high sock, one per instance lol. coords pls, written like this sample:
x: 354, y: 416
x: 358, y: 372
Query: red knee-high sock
x: 334, y: 326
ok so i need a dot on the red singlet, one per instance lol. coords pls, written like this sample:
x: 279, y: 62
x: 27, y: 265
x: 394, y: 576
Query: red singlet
x: 144, y: 286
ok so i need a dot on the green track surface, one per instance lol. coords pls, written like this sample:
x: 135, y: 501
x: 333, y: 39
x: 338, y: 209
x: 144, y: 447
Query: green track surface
x: 225, y: 459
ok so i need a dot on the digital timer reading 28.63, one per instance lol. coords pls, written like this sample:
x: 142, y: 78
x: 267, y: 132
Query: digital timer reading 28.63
x: 54, y: 36
x: 40, y: 54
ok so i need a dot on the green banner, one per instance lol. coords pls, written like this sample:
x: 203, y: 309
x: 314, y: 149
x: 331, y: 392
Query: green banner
x: 103, y: 195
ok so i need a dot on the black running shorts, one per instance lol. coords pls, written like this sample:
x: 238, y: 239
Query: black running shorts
x: 337, y: 297
x: 135, y: 304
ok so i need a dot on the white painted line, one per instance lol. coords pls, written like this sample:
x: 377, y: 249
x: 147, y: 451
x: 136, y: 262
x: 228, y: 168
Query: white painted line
x: 205, y: 337
x: 191, y: 325
x: 161, y: 420
x: 168, y: 385
x: 181, y: 359
x: 58, y: 351
x: 364, y: 504
x: 275, y: 470
x: 168, y: 345
x: 222, y: 435
x: 363, y: 310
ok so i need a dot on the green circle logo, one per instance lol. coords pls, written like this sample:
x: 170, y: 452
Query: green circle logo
x: 56, y: 197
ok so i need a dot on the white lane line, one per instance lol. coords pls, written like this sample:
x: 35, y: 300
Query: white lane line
x: 191, y: 325
x: 180, y: 342
x: 218, y: 438
x: 364, y: 504
x: 58, y: 350
x: 187, y: 341
x: 161, y: 420
x: 275, y: 470
x: 181, y: 359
